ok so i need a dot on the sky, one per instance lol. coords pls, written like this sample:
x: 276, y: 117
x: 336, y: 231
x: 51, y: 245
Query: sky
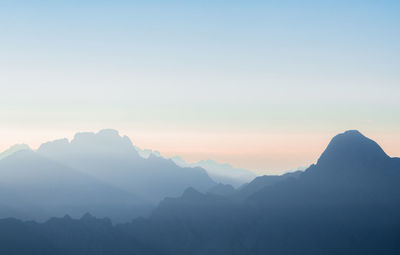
x: 263, y: 85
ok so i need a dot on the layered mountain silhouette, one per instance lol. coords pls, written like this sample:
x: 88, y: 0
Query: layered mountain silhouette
x: 113, y: 159
x: 100, y: 173
x: 352, y: 169
x: 347, y: 203
x: 220, y: 173
x: 36, y: 187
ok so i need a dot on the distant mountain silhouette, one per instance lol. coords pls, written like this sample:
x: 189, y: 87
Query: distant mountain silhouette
x: 101, y: 173
x: 347, y: 203
x: 13, y: 149
x: 114, y: 159
x: 36, y: 187
x: 352, y: 150
x: 220, y: 173
x: 145, y: 153
x: 352, y: 169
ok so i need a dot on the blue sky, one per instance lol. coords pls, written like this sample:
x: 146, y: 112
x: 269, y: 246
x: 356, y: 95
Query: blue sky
x: 193, y: 77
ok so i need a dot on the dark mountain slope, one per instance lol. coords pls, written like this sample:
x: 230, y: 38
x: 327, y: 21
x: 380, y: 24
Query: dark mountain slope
x: 261, y: 182
x: 352, y: 170
x: 65, y: 236
x: 349, y: 206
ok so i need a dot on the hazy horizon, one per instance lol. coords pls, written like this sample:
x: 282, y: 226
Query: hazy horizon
x: 298, y: 144
x: 200, y: 127
x: 259, y: 85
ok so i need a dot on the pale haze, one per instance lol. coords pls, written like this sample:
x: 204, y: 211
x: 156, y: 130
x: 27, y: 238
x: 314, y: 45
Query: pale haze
x: 262, y: 85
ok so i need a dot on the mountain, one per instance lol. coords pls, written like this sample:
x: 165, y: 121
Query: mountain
x: 101, y: 173
x: 352, y: 149
x: 222, y: 189
x: 352, y: 169
x: 13, y: 149
x: 347, y: 203
x: 261, y: 182
x: 65, y: 236
x: 35, y: 187
x: 114, y: 160
x: 145, y: 153
x: 220, y: 173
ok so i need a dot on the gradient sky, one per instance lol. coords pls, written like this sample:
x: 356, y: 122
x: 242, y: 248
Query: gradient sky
x: 262, y: 85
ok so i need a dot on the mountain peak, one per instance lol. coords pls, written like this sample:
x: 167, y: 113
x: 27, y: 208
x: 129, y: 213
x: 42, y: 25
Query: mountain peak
x: 104, y: 135
x: 351, y: 147
x: 13, y: 149
x: 108, y: 132
x: 352, y: 132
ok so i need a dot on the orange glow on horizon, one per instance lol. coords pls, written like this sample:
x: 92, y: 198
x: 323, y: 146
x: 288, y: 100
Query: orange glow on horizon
x: 263, y: 153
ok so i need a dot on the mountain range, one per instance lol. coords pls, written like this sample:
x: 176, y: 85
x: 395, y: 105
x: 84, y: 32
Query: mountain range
x: 346, y: 203
x: 101, y: 173
x: 220, y: 173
